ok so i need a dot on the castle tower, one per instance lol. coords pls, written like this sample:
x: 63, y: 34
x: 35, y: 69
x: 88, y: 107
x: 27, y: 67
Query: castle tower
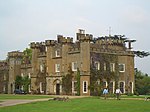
x: 38, y: 84
x: 84, y: 40
x: 14, y: 60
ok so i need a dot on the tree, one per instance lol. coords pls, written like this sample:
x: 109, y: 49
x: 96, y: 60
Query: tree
x: 78, y: 81
x: 67, y: 81
x: 142, y: 83
x: 18, y: 82
x: 22, y: 81
x: 27, y: 56
x: 96, y: 76
x: 26, y: 83
x: 141, y: 54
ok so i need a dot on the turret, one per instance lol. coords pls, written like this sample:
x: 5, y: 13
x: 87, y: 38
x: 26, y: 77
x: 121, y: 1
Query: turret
x: 81, y: 36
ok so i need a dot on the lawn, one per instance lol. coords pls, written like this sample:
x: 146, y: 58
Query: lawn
x: 13, y: 96
x: 91, y: 104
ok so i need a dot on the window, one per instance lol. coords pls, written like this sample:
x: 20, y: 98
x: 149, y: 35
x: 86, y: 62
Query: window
x: 41, y: 68
x: 122, y: 87
x: 97, y: 65
x: 74, y: 66
x: 41, y: 87
x: 85, y: 86
x: 121, y: 67
x: 112, y: 67
x: 57, y: 67
x: 104, y: 84
x: 57, y: 53
x: 74, y: 86
x: 29, y: 75
x: 111, y: 87
x: 29, y: 88
x: 4, y: 76
x: 4, y: 88
x: 131, y: 87
x: 22, y: 74
x: 104, y: 66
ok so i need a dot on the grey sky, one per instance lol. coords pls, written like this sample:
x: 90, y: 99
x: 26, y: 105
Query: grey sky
x: 24, y: 21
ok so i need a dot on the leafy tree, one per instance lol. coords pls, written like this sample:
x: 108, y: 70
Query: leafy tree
x: 18, y: 82
x: 22, y: 81
x: 142, y: 83
x: 78, y: 82
x: 26, y: 83
x: 141, y: 54
x: 27, y: 56
x: 67, y: 81
x: 95, y: 87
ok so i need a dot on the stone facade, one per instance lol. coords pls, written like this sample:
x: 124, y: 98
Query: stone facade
x: 55, y: 56
x: 51, y: 60
x: 4, y: 76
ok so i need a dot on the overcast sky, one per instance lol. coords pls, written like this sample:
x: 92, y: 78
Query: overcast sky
x: 25, y: 21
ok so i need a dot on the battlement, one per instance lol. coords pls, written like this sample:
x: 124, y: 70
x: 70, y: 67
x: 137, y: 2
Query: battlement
x: 110, y: 40
x: 81, y: 36
x: 62, y: 39
x: 50, y: 42
x: 14, y: 54
x: 36, y: 44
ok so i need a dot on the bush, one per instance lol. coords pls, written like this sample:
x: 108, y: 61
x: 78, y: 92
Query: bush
x: 129, y: 94
x: 136, y: 93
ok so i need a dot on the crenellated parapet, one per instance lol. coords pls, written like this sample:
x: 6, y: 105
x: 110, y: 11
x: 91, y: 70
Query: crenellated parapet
x: 111, y: 40
x: 60, y: 40
x: 14, y: 54
x: 34, y: 45
x: 63, y: 40
x: 50, y: 42
x: 81, y: 36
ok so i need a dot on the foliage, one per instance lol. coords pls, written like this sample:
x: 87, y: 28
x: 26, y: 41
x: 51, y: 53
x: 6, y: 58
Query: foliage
x: 142, y: 83
x: 141, y: 54
x: 78, y: 82
x: 67, y: 81
x: 95, y: 87
x: 26, y: 83
x: 18, y: 82
x: 22, y: 81
x: 101, y: 74
x: 27, y: 56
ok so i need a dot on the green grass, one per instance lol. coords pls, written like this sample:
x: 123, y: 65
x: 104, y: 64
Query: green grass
x: 92, y: 104
x: 12, y: 96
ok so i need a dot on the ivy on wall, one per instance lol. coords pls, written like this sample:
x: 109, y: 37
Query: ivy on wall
x: 99, y: 76
x: 78, y: 82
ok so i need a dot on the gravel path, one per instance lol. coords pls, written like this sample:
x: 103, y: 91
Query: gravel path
x: 5, y: 103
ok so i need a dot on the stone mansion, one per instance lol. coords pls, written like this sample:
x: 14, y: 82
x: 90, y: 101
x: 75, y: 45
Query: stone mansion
x: 51, y: 60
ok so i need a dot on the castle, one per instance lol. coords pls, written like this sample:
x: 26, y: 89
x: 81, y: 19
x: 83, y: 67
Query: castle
x: 112, y: 56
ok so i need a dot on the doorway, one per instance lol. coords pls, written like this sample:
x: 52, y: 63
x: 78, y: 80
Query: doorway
x: 57, y: 89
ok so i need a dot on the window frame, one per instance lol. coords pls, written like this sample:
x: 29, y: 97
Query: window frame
x: 85, y: 87
x: 57, y: 68
x: 112, y: 67
x: 73, y: 66
x: 73, y: 87
x: 123, y: 67
x: 105, y: 66
x: 97, y: 65
x: 57, y: 53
